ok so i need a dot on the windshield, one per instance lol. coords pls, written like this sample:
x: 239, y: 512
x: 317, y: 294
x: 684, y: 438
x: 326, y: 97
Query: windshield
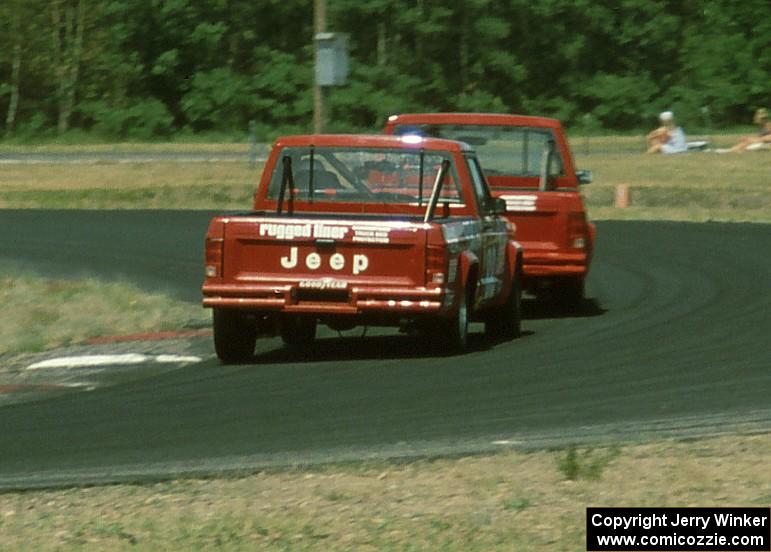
x: 362, y: 175
x: 502, y: 150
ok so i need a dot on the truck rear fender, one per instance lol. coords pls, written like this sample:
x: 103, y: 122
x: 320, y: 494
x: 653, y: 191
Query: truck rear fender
x: 468, y: 275
x: 513, y: 261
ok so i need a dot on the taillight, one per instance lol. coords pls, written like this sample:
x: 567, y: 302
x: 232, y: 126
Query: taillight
x: 436, y: 264
x: 214, y: 248
x: 577, y: 231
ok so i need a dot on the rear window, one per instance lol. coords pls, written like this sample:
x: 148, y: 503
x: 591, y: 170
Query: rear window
x: 502, y: 150
x: 363, y: 175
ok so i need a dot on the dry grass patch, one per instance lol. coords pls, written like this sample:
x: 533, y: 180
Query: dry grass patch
x: 696, y: 186
x: 129, y: 186
x: 125, y: 176
x: 635, y: 143
x: 698, y: 171
x: 506, y: 501
x: 131, y: 147
x: 46, y: 313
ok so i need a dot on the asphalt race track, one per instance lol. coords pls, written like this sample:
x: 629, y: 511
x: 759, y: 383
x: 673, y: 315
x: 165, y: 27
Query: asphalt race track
x: 676, y: 340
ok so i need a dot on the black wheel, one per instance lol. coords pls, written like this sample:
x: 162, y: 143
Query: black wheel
x: 235, y: 335
x: 506, y: 322
x: 298, y: 331
x: 454, y: 331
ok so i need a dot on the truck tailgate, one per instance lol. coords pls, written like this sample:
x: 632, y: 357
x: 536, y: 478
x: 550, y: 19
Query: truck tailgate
x: 379, y: 252
x: 552, y: 228
x: 540, y: 222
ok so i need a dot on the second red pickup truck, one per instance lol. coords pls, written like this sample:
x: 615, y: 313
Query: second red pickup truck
x: 528, y: 163
x: 363, y: 230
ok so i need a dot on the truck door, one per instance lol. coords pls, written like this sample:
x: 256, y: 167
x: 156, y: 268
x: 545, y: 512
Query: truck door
x: 494, y: 232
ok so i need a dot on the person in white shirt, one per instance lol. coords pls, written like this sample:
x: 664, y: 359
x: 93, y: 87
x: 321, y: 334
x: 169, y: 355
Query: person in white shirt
x: 668, y: 138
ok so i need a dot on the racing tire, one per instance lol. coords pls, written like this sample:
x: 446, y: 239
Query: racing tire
x: 298, y: 331
x: 506, y: 322
x: 235, y: 336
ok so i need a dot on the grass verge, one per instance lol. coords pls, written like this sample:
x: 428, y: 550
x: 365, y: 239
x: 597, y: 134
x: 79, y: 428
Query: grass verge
x: 47, y: 313
x: 696, y: 186
x: 506, y: 501
x: 128, y: 186
x: 129, y: 147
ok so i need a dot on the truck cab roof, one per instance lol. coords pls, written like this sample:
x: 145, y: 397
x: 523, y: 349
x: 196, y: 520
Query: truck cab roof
x: 372, y: 141
x: 499, y: 119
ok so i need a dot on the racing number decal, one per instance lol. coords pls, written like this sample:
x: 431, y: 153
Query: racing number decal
x: 491, y: 259
x: 494, y: 253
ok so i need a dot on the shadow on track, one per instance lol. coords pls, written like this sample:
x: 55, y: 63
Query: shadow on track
x: 376, y: 347
x: 341, y: 347
x: 416, y: 346
x: 539, y: 309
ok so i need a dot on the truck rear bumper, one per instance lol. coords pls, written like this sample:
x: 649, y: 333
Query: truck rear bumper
x: 353, y: 301
x: 546, y: 265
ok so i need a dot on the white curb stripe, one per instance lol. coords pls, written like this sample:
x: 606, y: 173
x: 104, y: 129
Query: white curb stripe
x: 176, y: 358
x: 91, y: 361
x: 87, y: 361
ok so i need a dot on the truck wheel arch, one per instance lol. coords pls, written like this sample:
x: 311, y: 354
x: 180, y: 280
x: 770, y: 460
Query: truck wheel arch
x: 468, y: 275
x: 514, y: 260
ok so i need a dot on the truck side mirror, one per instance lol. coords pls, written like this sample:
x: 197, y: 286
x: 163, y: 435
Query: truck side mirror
x: 584, y: 177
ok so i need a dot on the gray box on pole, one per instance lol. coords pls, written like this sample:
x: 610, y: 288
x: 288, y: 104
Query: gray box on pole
x: 331, y: 59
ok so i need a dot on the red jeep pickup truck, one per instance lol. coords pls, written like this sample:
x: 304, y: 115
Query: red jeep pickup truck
x: 527, y: 161
x: 363, y: 230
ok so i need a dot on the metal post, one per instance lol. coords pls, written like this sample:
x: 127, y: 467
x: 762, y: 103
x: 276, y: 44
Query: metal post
x: 319, y: 92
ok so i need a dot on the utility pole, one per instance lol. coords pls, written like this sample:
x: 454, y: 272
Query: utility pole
x: 319, y: 92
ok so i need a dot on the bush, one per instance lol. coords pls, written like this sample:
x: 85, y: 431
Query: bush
x: 143, y: 119
x: 585, y: 465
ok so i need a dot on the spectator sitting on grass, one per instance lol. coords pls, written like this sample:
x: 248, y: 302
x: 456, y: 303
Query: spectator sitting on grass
x: 668, y: 138
x: 760, y: 139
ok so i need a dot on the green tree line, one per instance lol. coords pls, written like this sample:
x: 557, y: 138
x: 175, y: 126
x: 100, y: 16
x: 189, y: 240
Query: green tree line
x: 152, y: 68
